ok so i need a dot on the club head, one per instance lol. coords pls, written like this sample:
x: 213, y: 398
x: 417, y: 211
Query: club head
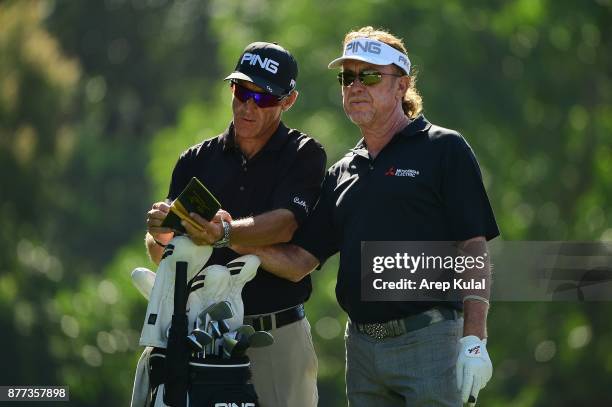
x: 229, y: 344
x: 261, y: 339
x: 222, y: 311
x: 241, y: 347
x: 245, y: 330
x: 198, y: 339
x: 218, y: 312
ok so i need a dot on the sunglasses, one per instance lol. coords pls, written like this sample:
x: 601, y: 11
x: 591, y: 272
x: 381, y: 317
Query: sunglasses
x: 261, y: 99
x: 367, y: 77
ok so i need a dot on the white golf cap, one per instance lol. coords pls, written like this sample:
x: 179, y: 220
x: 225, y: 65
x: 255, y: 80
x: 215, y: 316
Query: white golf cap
x: 372, y: 51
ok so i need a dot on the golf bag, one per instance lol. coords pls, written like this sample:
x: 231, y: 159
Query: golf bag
x: 182, y: 375
x: 212, y: 381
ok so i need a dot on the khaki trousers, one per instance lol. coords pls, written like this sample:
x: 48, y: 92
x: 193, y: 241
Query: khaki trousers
x: 285, y: 373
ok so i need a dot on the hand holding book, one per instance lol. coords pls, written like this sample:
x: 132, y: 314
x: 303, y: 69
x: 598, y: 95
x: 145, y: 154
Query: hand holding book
x: 194, y: 198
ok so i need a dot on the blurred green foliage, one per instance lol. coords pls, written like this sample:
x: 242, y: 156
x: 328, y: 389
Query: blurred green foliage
x: 98, y: 98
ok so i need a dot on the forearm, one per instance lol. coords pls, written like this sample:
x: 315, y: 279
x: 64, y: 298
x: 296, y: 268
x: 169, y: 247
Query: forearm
x: 284, y: 260
x: 475, y: 318
x: 272, y: 227
x: 476, y: 303
x: 154, y: 250
x: 476, y: 299
x: 157, y: 233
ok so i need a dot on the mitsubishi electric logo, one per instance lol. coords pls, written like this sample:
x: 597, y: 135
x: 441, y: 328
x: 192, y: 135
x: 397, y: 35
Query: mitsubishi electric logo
x: 268, y: 64
x: 392, y: 172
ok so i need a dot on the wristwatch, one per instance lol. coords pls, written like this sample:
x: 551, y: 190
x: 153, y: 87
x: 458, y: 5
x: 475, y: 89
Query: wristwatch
x: 225, y: 240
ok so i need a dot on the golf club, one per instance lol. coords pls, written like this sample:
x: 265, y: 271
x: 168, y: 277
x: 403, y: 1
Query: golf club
x: 260, y: 339
x: 198, y: 340
x: 229, y: 344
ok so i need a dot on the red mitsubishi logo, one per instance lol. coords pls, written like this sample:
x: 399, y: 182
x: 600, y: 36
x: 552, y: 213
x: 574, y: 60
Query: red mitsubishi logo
x: 390, y: 172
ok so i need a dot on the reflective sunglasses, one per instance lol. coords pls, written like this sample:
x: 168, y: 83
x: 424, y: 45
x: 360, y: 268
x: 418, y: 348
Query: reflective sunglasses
x: 261, y: 99
x: 368, y: 77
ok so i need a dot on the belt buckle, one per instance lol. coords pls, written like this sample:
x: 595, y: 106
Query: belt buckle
x: 435, y: 315
x: 376, y: 330
x: 261, y: 323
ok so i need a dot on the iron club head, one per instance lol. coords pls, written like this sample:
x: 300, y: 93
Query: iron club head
x: 261, y: 339
x: 198, y: 339
x: 217, y: 312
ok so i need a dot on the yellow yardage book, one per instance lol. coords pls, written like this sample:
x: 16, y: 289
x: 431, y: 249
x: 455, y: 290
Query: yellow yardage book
x: 194, y: 198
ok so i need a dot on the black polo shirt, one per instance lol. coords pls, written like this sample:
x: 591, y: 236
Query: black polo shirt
x: 425, y: 185
x: 286, y: 173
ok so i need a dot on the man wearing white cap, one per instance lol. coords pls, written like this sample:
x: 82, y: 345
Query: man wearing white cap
x: 268, y: 177
x: 405, y: 180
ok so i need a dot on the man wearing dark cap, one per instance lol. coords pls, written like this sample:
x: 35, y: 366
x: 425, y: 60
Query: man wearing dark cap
x: 406, y: 180
x: 268, y: 178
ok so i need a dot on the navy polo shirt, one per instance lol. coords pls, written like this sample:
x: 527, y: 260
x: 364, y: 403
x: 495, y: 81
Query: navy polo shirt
x: 425, y: 185
x: 286, y: 173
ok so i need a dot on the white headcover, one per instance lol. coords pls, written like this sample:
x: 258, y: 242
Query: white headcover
x: 374, y: 52
x: 213, y: 288
x: 143, y: 279
x: 242, y: 270
x: 161, y: 304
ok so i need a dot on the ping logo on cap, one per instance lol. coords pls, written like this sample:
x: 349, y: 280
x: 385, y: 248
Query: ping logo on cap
x: 367, y: 46
x: 373, y: 51
x: 268, y: 64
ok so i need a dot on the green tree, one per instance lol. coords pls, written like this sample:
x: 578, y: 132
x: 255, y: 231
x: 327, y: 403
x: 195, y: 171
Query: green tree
x: 97, y: 99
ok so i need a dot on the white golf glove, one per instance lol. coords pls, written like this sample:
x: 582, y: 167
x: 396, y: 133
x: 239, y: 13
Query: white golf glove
x: 474, y: 368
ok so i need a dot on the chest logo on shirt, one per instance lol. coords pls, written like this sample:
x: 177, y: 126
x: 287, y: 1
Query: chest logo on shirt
x: 300, y: 202
x: 398, y: 172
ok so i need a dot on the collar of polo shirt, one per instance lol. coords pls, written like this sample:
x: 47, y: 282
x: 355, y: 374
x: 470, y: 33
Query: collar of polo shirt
x: 374, y: 52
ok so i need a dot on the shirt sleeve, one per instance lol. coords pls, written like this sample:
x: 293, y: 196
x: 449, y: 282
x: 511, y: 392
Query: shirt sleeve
x: 318, y: 234
x: 180, y: 177
x: 300, y: 186
x: 466, y: 202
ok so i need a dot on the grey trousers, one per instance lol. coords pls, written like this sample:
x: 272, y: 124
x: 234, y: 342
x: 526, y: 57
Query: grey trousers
x: 416, y: 369
x: 285, y: 373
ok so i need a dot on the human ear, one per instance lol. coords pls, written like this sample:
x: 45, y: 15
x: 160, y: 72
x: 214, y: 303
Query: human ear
x: 288, y: 102
x: 403, y: 84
